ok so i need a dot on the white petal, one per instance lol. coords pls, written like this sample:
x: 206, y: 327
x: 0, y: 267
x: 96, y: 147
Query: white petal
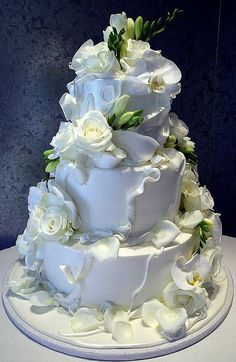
x: 60, y: 191
x: 41, y: 298
x: 191, y: 219
x: 166, y: 232
x: 71, y: 272
x: 70, y: 107
x: 139, y: 148
x: 107, y: 160
x: 34, y: 197
x: 149, y: 311
x: 105, y: 249
x: 85, y: 319
x: 172, y: 322
x: 112, y: 314
x: 25, y: 288
x: 179, y: 276
x: 122, y: 332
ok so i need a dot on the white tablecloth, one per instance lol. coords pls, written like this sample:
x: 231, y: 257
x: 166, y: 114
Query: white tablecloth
x: 219, y: 346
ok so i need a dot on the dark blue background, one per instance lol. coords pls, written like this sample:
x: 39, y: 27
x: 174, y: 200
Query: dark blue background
x: 39, y: 38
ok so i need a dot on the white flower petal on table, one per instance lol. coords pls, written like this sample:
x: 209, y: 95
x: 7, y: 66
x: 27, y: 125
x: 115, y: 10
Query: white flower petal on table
x: 122, y: 332
x: 85, y: 319
x: 172, y: 322
x: 41, y: 298
x: 116, y: 321
x: 191, y: 219
x: 113, y: 314
x: 149, y: 310
x: 105, y: 249
x: 27, y: 287
x: 165, y: 233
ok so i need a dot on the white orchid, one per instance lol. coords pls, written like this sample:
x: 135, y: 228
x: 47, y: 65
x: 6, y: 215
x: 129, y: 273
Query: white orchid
x: 188, y: 275
x: 134, y: 53
x: 161, y: 74
x: 169, y: 321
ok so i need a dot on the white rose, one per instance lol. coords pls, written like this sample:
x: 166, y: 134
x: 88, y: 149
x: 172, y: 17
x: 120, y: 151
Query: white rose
x: 63, y: 142
x: 192, y: 300
x: 93, y: 134
x: 195, y: 197
x: 92, y: 58
x: 177, y: 127
x: 53, y: 216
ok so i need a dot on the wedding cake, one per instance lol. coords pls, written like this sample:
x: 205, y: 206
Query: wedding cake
x: 120, y: 229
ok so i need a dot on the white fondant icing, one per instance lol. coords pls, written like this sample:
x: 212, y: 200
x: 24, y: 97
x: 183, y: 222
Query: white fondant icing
x: 134, y: 272
x: 135, y: 196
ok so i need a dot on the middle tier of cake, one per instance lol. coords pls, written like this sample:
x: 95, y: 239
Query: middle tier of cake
x: 127, y: 200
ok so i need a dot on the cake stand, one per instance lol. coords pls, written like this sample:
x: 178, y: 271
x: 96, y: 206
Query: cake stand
x: 48, y: 326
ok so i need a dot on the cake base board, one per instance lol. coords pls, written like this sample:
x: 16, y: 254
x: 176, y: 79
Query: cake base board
x: 47, y: 326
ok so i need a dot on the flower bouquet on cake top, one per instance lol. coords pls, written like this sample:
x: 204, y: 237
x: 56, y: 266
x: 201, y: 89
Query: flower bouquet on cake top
x: 120, y: 232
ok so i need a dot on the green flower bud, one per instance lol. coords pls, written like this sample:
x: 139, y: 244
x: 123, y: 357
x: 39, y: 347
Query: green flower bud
x: 129, y: 34
x: 52, y: 165
x: 121, y: 105
x: 171, y: 141
x: 208, y: 223
x: 138, y: 27
x: 125, y: 118
x: 47, y: 153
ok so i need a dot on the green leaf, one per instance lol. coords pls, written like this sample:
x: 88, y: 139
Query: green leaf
x: 138, y: 27
x: 115, y: 41
x: 158, y: 26
x: 52, y: 165
x: 146, y: 27
x: 111, y: 119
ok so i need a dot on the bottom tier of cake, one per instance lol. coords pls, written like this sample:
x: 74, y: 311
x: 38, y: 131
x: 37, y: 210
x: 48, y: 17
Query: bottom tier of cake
x: 51, y: 325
